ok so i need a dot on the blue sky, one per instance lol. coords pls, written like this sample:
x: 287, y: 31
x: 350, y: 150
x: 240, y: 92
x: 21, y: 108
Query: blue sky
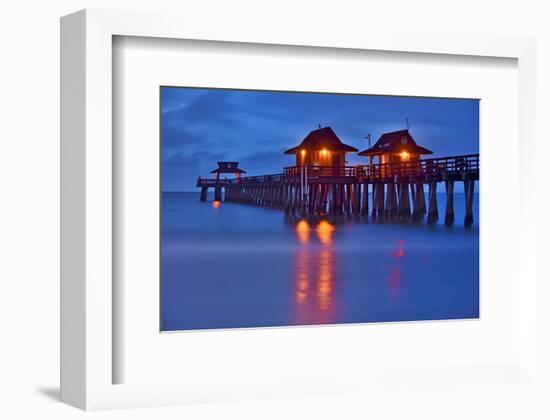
x: 202, y: 126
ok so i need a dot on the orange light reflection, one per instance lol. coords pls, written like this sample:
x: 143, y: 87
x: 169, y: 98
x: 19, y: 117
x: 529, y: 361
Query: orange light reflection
x: 324, y: 232
x: 314, y: 274
x: 302, y: 231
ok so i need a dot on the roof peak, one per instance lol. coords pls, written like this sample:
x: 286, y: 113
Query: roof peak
x: 393, y: 141
x: 322, y: 128
x: 322, y: 138
x: 405, y: 130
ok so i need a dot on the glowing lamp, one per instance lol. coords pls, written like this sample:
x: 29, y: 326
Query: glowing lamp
x: 404, y: 155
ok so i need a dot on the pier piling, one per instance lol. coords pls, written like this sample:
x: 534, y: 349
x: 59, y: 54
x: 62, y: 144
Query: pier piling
x: 365, y: 204
x: 433, y: 213
x: 391, y: 200
x: 204, y: 193
x: 469, y: 192
x: 449, y: 208
x: 404, y: 201
x: 419, y: 207
x: 378, y: 205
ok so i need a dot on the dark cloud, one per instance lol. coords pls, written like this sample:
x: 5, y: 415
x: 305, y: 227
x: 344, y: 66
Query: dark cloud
x: 270, y: 161
x: 180, y: 170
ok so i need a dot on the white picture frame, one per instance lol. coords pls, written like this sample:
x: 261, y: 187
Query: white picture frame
x: 87, y: 173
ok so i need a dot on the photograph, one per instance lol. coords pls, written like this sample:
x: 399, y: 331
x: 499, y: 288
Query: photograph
x: 282, y: 208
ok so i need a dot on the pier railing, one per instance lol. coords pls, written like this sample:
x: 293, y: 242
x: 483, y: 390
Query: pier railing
x: 437, y: 167
x: 434, y: 167
x: 207, y: 182
x: 322, y: 171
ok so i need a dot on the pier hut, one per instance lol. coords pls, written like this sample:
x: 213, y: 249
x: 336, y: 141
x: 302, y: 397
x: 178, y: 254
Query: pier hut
x: 321, y: 155
x: 395, y: 147
x: 398, y: 164
x: 321, y: 147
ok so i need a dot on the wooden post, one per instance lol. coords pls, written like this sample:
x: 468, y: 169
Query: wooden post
x: 339, y: 198
x: 217, y: 193
x: 356, y: 198
x: 365, y: 204
x: 379, y: 199
x: 422, y: 198
x: 391, y: 200
x: 333, y: 198
x: 313, y: 190
x: 419, y: 202
x: 469, y: 185
x: 204, y: 193
x: 295, y: 198
x: 375, y: 187
x: 449, y: 209
x: 348, y: 197
x: 286, y: 197
x: 314, y: 199
x: 404, y: 201
x: 324, y: 198
x: 433, y: 214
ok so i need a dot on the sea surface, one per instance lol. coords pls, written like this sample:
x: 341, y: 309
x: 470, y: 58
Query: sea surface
x: 227, y: 265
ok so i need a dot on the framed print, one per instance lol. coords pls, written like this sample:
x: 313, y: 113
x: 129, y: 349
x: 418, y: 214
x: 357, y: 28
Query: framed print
x: 255, y: 217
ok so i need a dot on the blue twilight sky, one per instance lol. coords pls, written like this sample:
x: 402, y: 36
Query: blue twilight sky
x: 202, y: 126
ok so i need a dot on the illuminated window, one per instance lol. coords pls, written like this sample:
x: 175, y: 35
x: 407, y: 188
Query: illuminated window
x: 303, y: 154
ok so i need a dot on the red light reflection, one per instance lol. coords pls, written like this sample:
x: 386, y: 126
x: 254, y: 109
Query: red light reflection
x: 395, y: 269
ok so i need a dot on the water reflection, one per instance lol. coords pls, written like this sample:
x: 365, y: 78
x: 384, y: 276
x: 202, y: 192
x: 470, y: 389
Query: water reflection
x: 315, y: 272
x: 324, y: 232
x: 302, y: 231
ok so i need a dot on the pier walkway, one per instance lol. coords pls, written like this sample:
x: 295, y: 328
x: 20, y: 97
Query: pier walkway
x: 392, y: 191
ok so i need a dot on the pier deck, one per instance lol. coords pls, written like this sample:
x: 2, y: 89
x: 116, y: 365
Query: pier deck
x: 395, y: 190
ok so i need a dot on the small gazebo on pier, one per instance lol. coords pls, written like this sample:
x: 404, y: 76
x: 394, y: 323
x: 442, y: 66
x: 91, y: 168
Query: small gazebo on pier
x: 223, y: 168
x: 228, y: 168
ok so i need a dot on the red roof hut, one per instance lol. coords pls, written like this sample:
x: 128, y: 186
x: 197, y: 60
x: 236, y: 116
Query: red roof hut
x: 321, y: 147
x: 397, y: 146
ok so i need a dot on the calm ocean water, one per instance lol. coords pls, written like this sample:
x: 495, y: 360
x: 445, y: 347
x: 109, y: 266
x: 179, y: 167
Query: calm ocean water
x: 234, y: 265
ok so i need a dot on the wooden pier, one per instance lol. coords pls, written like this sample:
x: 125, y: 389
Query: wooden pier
x: 387, y: 191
